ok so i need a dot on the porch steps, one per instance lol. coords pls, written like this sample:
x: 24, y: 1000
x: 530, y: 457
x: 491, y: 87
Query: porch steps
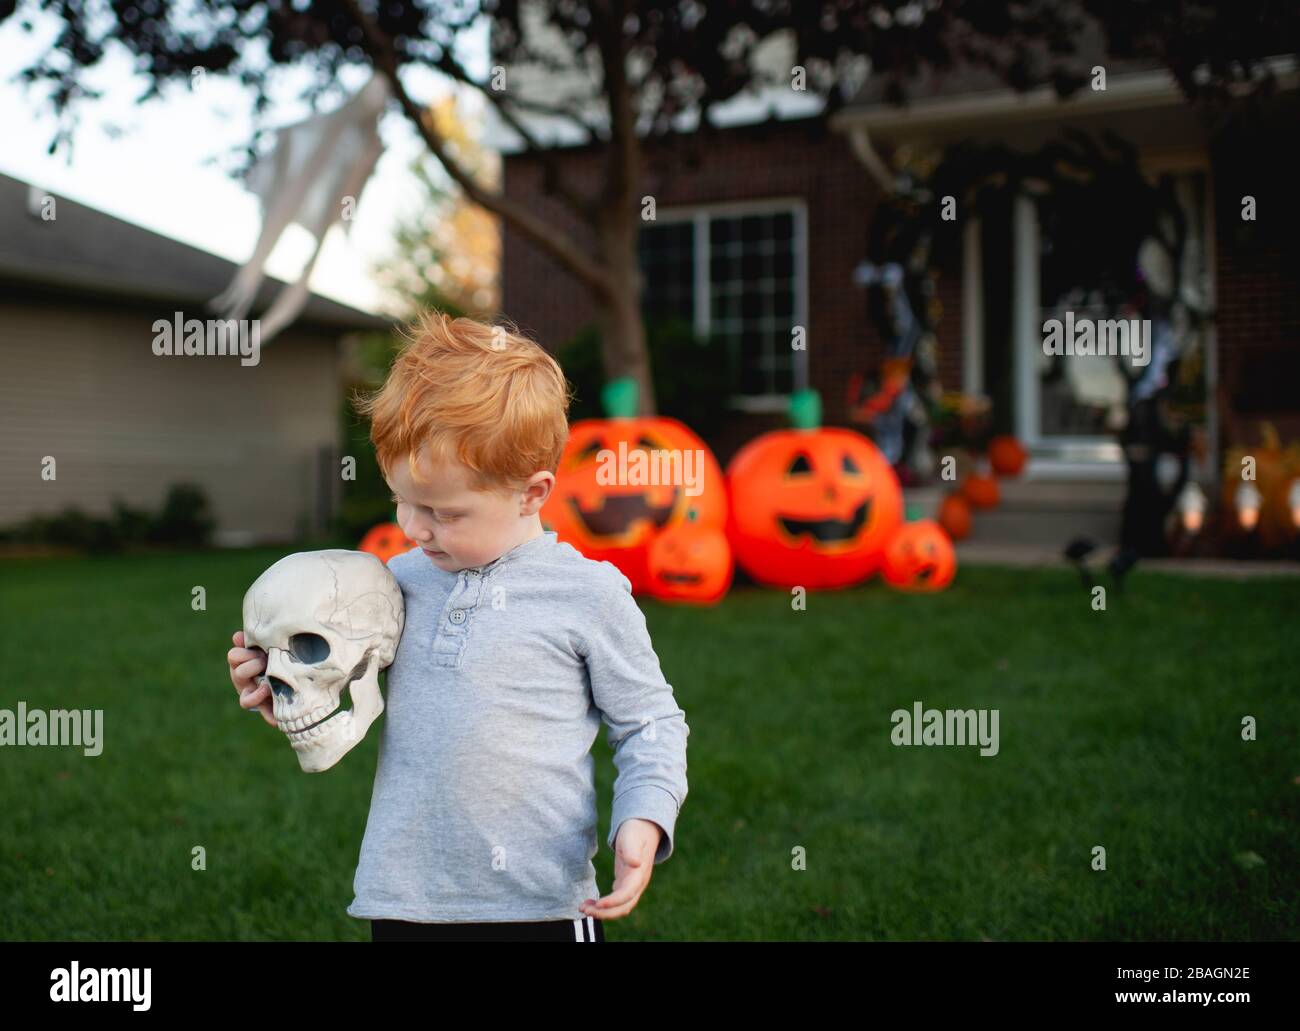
x: 1037, y: 514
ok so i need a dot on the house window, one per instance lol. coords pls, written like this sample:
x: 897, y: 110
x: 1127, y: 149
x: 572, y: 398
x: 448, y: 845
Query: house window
x: 738, y: 275
x: 667, y: 254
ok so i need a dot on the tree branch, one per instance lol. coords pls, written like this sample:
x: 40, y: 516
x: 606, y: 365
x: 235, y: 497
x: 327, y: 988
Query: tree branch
x: 546, y: 237
x: 584, y: 207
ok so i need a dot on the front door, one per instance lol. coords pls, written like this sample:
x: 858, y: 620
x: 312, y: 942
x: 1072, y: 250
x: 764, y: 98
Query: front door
x: 1069, y: 408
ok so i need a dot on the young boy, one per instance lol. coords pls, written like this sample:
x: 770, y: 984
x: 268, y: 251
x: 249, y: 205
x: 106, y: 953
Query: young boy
x: 483, y: 818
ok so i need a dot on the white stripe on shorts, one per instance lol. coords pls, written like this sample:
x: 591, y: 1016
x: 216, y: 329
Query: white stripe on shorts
x: 589, y: 935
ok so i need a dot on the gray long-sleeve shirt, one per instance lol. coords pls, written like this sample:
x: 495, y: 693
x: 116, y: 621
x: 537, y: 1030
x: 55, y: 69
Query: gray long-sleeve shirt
x: 484, y: 804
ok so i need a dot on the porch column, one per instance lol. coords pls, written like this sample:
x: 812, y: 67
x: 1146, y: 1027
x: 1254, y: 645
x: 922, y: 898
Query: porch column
x: 972, y: 310
x: 1026, y: 327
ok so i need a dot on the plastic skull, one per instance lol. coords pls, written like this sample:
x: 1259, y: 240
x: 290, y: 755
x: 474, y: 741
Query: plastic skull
x: 328, y: 620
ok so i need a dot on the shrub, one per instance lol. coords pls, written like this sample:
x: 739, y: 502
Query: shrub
x: 184, y: 520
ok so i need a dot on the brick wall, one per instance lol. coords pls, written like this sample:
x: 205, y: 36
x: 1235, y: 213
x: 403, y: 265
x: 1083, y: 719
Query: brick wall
x: 1258, y: 293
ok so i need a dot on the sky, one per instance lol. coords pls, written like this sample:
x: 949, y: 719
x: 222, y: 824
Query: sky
x: 165, y: 171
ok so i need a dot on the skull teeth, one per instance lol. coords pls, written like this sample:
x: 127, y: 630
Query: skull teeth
x: 305, y: 738
x: 309, y: 722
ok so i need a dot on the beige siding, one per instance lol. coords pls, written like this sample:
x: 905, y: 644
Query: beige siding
x: 82, y: 384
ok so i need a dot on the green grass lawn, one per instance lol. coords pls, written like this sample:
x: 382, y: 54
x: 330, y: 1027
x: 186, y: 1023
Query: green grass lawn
x: 1119, y: 728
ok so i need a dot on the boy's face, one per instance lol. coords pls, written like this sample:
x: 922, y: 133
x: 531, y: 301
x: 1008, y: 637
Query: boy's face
x: 457, y: 527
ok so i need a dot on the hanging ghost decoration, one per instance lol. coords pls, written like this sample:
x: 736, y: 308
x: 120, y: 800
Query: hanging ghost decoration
x: 314, y: 165
x: 328, y: 621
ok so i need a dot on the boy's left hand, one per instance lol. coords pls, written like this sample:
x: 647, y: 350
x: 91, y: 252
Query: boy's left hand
x: 635, y: 846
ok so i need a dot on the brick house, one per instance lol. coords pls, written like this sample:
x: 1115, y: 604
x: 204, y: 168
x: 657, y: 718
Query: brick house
x: 766, y: 232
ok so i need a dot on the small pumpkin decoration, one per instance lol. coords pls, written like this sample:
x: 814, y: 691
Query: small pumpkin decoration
x: 919, y: 557
x: 615, y: 521
x: 811, y: 506
x: 954, y: 516
x: 981, y: 490
x: 1007, y: 455
x: 690, y: 563
x: 385, y: 540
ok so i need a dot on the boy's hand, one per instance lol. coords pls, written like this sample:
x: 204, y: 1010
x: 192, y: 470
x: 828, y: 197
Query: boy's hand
x: 246, y: 668
x: 635, y: 846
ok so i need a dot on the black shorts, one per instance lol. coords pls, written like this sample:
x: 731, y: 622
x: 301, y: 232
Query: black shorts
x: 584, y: 929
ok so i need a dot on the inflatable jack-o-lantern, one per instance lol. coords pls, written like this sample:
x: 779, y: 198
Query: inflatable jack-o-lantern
x: 386, y: 540
x: 811, y: 506
x: 624, y: 480
x: 690, y: 563
x: 919, y: 557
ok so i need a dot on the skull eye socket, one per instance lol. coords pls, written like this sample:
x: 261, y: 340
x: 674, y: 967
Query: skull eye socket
x: 309, y: 648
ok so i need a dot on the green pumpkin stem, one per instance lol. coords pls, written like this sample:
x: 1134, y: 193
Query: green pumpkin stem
x: 805, y: 409
x: 618, y: 398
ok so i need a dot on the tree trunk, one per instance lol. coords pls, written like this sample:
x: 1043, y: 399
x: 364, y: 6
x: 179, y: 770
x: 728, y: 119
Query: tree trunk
x: 622, y: 332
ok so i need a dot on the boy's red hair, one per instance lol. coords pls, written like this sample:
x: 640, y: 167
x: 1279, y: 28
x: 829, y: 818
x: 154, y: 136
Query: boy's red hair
x: 484, y: 395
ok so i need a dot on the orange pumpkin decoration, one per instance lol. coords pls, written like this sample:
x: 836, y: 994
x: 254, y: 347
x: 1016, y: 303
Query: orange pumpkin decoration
x: 615, y: 521
x: 919, y: 557
x: 811, y: 506
x: 954, y: 517
x: 981, y: 490
x: 690, y: 563
x: 385, y: 540
x: 1007, y: 456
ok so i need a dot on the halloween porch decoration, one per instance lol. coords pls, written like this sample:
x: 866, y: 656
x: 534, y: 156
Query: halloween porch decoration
x: 690, y: 563
x: 1007, y: 455
x: 1276, y: 469
x: 811, y: 506
x: 919, y: 557
x: 980, y: 490
x: 386, y: 540
x: 1117, y: 240
x: 954, y: 516
x: 314, y: 166
x: 1148, y: 265
x: 895, y: 405
x: 625, y: 479
x: 328, y: 621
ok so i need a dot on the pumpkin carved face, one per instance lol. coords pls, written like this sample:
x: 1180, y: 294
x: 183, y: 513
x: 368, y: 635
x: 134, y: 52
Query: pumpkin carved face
x: 919, y: 557
x: 811, y: 507
x: 690, y: 563
x: 615, y: 518
x: 386, y: 540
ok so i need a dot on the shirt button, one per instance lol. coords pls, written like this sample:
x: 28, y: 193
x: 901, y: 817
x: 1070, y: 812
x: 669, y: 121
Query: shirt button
x: 458, y: 616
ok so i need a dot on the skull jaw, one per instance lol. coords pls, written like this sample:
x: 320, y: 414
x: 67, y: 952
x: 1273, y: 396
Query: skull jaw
x: 345, y: 730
